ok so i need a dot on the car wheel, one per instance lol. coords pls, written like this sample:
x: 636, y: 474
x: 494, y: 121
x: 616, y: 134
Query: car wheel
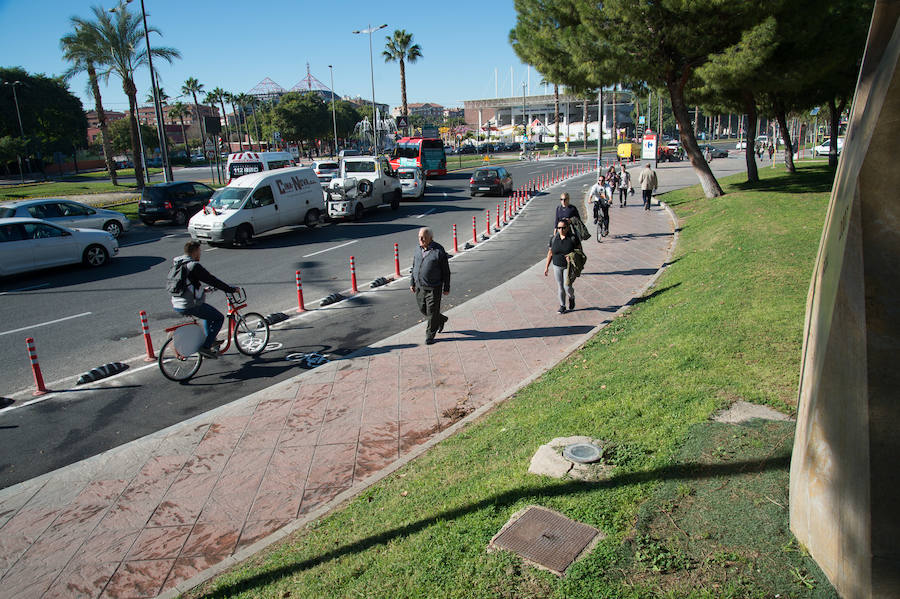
x: 114, y: 228
x: 312, y: 219
x: 358, y: 211
x: 395, y: 202
x: 95, y: 255
x: 244, y: 235
x: 181, y: 218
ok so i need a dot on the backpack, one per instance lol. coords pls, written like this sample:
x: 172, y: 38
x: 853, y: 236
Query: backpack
x: 177, y: 279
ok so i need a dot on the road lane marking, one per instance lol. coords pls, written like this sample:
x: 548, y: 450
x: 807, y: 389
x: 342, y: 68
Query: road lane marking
x: 26, y: 288
x: 134, y: 243
x: 329, y: 249
x: 43, y: 324
x: 427, y: 213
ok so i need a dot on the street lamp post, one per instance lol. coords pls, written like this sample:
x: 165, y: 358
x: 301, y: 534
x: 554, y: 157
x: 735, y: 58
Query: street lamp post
x: 333, y: 114
x: 19, y: 116
x: 370, y: 31
x: 524, y: 119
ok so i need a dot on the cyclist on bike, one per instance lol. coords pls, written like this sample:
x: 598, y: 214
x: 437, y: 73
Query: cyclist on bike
x: 192, y: 301
x: 601, y: 202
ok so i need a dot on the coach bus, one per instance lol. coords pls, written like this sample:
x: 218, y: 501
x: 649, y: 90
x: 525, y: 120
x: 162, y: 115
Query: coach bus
x: 425, y: 153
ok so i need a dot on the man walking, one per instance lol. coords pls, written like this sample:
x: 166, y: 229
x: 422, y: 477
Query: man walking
x: 648, y: 184
x: 429, y: 278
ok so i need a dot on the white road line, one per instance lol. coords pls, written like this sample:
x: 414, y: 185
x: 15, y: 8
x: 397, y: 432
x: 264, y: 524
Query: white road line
x: 329, y: 249
x: 43, y: 324
x: 26, y: 288
x: 128, y: 245
x: 426, y: 213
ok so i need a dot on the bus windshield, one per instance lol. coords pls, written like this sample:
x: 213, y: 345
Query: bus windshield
x: 405, y: 150
x: 229, y: 198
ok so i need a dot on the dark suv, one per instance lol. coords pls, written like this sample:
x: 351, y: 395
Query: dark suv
x: 176, y: 201
x: 491, y: 179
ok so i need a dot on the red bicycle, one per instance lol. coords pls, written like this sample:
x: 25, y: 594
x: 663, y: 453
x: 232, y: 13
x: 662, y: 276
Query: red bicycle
x: 178, y: 359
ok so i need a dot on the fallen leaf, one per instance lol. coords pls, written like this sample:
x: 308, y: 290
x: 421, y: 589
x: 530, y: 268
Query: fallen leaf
x: 603, y: 386
x: 404, y: 493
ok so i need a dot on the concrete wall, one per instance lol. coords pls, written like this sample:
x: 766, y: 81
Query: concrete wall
x: 845, y: 486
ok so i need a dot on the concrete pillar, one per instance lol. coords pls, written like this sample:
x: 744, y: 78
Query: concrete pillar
x: 845, y: 482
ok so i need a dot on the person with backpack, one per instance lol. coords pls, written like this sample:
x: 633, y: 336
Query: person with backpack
x: 186, y: 284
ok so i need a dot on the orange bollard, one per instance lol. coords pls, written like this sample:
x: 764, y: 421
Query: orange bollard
x: 301, y: 307
x: 474, y: 231
x: 148, y: 342
x: 455, y: 243
x: 487, y: 224
x: 35, y: 369
x: 498, y: 216
x: 397, y: 260
x: 353, y: 275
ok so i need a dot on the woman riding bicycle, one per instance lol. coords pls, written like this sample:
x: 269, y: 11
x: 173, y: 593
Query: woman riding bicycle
x: 191, y: 301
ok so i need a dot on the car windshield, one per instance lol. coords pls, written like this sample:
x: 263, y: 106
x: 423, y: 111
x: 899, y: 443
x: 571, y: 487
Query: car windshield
x: 366, y: 166
x: 7, y: 212
x: 229, y: 198
x: 485, y: 174
x: 328, y: 165
x: 406, y: 174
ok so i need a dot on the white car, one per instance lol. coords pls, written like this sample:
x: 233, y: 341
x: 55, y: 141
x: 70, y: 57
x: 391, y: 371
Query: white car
x: 741, y: 145
x: 31, y: 244
x: 412, y: 182
x: 68, y: 214
x: 825, y: 148
x: 326, y: 170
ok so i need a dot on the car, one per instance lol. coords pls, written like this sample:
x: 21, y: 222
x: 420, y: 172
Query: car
x: 30, y: 244
x: 197, y: 157
x: 714, y: 151
x: 491, y: 179
x: 154, y: 162
x: 466, y: 149
x: 326, y: 170
x: 176, y: 201
x: 762, y: 140
x: 825, y: 148
x: 68, y: 214
x: 345, y: 153
x: 741, y: 145
x: 412, y: 182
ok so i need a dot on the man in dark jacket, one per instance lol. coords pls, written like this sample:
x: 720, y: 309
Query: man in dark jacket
x: 429, y: 278
x: 192, y: 301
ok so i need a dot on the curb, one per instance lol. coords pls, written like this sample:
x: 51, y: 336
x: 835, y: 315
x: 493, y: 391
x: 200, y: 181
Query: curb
x: 248, y: 552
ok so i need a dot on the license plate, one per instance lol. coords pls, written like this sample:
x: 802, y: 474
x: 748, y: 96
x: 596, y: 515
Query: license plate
x: 484, y: 189
x: 203, y: 235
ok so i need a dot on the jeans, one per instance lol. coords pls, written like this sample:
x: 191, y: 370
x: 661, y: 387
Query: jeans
x: 563, y: 287
x: 623, y: 196
x: 429, y: 301
x: 212, y: 321
x: 648, y: 198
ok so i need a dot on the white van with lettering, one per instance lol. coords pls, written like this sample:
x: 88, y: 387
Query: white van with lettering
x: 248, y: 163
x: 253, y: 204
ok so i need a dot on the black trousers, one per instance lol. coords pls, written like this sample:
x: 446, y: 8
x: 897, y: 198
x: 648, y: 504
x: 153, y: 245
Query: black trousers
x: 648, y: 198
x: 429, y: 301
x: 623, y: 196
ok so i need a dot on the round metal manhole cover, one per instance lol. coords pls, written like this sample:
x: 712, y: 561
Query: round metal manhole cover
x: 583, y: 453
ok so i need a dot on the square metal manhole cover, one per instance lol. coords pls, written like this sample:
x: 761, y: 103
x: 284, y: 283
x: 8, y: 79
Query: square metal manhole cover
x: 545, y: 538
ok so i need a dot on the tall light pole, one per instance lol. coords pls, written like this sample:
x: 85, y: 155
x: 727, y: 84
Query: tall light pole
x: 333, y: 115
x: 370, y: 31
x: 157, y: 106
x: 524, y: 118
x: 13, y: 84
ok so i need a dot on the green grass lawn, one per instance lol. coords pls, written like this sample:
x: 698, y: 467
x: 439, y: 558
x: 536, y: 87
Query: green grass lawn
x: 97, y: 182
x: 692, y: 509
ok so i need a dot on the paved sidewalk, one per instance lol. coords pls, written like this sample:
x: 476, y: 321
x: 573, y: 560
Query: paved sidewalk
x: 142, y: 518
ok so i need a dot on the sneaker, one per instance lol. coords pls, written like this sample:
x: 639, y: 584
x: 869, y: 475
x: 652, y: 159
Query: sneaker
x: 443, y: 322
x: 208, y: 353
x: 562, y: 310
x: 571, y: 303
x: 430, y: 341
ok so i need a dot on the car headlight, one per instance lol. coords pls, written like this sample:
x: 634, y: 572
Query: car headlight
x: 218, y: 226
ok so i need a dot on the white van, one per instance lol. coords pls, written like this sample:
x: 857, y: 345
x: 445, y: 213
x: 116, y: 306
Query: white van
x: 247, y: 163
x: 253, y: 204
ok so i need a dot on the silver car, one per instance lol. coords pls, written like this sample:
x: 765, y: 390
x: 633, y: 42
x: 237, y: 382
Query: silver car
x: 31, y: 244
x: 68, y: 214
x: 326, y: 170
x: 412, y: 182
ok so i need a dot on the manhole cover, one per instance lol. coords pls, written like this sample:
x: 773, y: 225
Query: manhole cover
x: 546, y: 538
x: 583, y: 453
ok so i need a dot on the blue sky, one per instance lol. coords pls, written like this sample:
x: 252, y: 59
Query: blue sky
x: 234, y: 45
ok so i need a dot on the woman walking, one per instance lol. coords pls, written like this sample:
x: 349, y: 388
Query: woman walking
x: 561, y: 245
x: 624, y: 184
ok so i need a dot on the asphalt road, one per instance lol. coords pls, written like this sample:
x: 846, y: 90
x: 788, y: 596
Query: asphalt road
x: 101, y: 324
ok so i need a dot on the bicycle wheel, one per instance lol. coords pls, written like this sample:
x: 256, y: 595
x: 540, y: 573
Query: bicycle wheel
x: 177, y: 368
x: 251, y: 333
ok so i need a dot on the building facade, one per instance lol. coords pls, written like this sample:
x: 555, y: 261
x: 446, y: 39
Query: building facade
x: 93, y: 129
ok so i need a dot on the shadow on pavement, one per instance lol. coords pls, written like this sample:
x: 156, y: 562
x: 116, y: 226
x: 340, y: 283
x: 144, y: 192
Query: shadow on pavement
x: 524, y: 333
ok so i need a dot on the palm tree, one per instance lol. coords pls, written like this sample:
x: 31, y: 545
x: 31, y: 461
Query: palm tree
x: 243, y: 101
x: 232, y: 98
x: 83, y: 50
x: 193, y: 87
x: 399, y: 48
x: 218, y: 95
x: 253, y: 103
x: 120, y: 39
x: 179, y: 111
x: 163, y: 97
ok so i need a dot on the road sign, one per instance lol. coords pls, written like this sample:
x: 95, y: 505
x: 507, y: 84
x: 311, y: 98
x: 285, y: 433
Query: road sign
x: 648, y: 151
x: 642, y: 120
x: 402, y: 122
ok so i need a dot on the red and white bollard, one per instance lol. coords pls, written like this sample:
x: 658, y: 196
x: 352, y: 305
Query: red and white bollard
x: 487, y: 224
x: 455, y: 242
x: 498, y: 216
x: 301, y: 307
x: 505, y: 212
x: 353, y: 275
x: 35, y: 369
x: 397, y: 260
x: 474, y: 231
x: 148, y: 343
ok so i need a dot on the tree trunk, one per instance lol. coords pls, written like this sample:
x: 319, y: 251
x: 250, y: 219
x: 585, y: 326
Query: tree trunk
x: 187, y: 146
x: 200, y: 124
x: 256, y: 126
x: 556, y: 114
x: 237, y: 120
x: 615, y: 130
x: 137, y: 152
x: 585, y: 119
x: 835, y: 127
x: 403, y: 92
x: 785, y: 135
x: 749, y: 154
x: 708, y: 182
x: 225, y: 117
x: 104, y: 130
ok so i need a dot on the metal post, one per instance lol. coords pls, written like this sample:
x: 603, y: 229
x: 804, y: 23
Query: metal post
x: 333, y: 115
x: 370, y: 31
x: 157, y: 106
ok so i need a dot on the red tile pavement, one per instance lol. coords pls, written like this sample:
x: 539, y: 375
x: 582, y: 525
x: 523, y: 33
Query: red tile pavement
x: 142, y: 518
